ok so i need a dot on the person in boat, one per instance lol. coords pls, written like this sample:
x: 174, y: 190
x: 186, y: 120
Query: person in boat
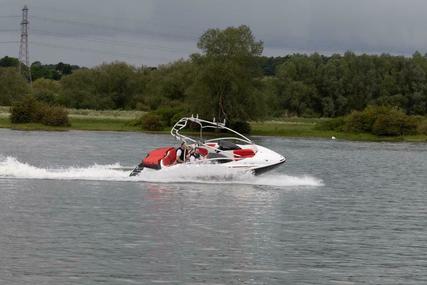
x: 181, y: 153
x: 194, y: 155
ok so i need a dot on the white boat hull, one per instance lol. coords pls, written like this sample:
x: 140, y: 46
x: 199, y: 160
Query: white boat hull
x: 263, y: 161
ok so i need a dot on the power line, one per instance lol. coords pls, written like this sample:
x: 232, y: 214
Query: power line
x: 110, y: 41
x: 90, y: 50
x: 97, y: 26
x: 104, y: 27
x: 138, y: 21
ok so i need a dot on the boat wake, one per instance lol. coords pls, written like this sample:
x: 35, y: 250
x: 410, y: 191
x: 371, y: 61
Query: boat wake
x: 10, y: 167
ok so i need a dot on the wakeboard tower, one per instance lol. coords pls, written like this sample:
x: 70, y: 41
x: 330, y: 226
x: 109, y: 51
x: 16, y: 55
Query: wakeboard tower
x: 232, y: 151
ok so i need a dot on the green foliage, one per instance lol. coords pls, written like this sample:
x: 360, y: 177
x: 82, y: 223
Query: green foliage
x: 51, y: 71
x: 108, y: 86
x: 12, y: 86
x: 9, y: 62
x: 230, y: 79
x: 334, y: 124
x: 241, y: 126
x: 41, y: 71
x: 167, y: 85
x: 232, y: 42
x: 394, y: 123
x: 336, y: 85
x: 378, y: 120
x: 151, y: 122
x: 170, y: 115
x: 360, y: 122
x: 25, y: 111
x: 45, y: 96
x: 54, y: 116
x: 46, y: 90
x: 29, y: 110
x: 422, y: 127
x: 226, y: 85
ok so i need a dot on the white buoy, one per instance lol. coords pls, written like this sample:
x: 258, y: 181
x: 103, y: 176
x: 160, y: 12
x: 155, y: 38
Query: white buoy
x: 333, y: 138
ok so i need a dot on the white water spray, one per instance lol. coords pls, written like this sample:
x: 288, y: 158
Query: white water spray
x: 10, y: 167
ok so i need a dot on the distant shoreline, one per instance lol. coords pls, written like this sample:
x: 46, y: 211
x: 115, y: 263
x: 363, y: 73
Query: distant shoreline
x: 90, y: 120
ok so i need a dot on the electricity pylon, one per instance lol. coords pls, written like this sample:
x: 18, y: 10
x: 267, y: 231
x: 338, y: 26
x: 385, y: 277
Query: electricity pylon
x: 24, y: 58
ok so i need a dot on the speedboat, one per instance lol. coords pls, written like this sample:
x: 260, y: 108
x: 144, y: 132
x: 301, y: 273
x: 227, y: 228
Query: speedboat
x: 232, y: 150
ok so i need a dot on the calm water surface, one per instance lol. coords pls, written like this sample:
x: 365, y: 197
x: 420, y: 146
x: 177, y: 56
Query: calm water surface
x: 362, y: 220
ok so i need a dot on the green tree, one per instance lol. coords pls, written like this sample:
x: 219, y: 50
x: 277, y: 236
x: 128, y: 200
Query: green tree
x: 12, y: 86
x: 227, y: 83
x: 46, y: 90
x: 79, y: 91
x: 167, y: 85
x: 108, y: 86
x: 9, y: 62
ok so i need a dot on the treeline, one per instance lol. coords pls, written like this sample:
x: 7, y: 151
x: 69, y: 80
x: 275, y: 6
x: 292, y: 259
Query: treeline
x: 333, y: 86
x: 231, y: 79
x: 39, y: 70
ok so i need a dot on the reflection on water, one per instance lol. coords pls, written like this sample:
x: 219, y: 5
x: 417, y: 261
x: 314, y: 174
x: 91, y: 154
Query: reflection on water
x: 364, y: 223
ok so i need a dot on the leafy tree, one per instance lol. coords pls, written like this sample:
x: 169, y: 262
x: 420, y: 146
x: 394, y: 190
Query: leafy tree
x: 12, y: 86
x: 42, y: 71
x: 9, y: 62
x: 79, y: 91
x: 226, y: 84
x: 167, y: 85
x: 64, y: 69
x: 46, y: 90
x: 108, y: 86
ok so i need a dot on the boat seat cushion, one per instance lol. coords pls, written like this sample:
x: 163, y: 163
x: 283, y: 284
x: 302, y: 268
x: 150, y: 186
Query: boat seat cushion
x: 153, y: 158
x: 170, y: 157
x: 202, y: 151
x: 243, y: 153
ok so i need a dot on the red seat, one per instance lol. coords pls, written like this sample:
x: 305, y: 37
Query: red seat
x: 153, y: 158
x: 202, y: 151
x: 170, y: 157
x: 243, y: 153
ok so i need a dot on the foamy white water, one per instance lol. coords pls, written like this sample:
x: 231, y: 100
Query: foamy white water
x: 10, y: 167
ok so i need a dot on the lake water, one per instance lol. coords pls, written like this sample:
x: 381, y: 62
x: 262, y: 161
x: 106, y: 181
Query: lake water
x: 337, y: 213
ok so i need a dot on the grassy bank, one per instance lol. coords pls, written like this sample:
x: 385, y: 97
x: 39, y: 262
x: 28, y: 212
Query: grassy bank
x: 88, y: 120
x: 91, y: 120
x: 306, y: 127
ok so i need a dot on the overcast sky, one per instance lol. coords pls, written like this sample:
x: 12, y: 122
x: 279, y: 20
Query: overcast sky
x: 152, y: 32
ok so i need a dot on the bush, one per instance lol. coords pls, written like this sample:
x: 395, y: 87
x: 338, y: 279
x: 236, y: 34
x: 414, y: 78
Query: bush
x: 151, y: 122
x: 25, y: 111
x: 378, y: 120
x: 241, y: 126
x: 362, y: 122
x: 394, y: 123
x: 29, y: 110
x: 55, y: 116
x: 45, y: 96
x: 335, y: 124
x: 381, y: 121
x: 177, y: 117
x: 422, y: 128
x: 168, y: 115
x: 386, y: 125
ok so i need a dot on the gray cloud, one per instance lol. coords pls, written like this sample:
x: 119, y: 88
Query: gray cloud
x: 151, y: 32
